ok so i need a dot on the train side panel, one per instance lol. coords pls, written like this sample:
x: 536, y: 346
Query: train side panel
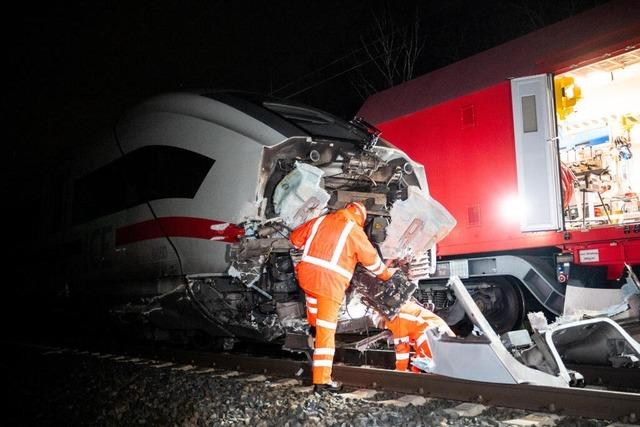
x: 202, y: 175
x: 466, y: 146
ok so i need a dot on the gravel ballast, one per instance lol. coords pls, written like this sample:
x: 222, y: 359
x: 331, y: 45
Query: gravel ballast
x: 64, y: 388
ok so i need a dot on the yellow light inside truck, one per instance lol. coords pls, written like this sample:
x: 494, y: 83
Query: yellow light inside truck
x: 567, y: 93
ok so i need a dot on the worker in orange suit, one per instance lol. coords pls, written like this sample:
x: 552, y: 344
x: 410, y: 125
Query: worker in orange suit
x: 332, y: 245
x: 409, y: 328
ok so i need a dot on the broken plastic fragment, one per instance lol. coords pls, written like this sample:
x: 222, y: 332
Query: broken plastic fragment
x: 477, y: 332
x: 538, y: 321
x: 425, y: 364
x: 417, y: 223
x: 299, y: 196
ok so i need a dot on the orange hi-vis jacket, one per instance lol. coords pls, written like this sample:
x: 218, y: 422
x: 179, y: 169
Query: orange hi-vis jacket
x: 332, y: 246
x: 412, y: 320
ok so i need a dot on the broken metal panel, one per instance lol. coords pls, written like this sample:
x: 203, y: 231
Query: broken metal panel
x: 249, y: 272
x: 367, y: 342
x: 291, y: 316
x: 423, y: 265
x: 290, y: 310
x: 599, y: 341
x: 590, y: 331
x: 539, y: 356
x: 298, y: 342
x: 410, y: 168
x: 357, y: 325
x: 516, y: 339
x: 386, y: 297
x: 578, y: 299
x: 376, y: 205
x: 199, y: 305
x: 176, y: 310
x: 622, y: 305
x: 250, y: 248
x: 484, y: 359
x: 462, y: 359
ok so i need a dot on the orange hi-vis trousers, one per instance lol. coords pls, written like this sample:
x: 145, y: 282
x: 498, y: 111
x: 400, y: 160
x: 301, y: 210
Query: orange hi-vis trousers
x: 322, y: 313
x: 418, y: 341
x: 409, y: 330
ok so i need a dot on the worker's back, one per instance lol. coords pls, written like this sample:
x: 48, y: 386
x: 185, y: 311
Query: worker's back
x: 332, y: 246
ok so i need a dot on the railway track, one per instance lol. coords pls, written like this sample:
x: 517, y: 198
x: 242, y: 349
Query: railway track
x: 616, y: 379
x: 600, y: 404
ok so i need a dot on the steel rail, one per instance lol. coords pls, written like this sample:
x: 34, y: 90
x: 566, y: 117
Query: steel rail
x: 622, y: 379
x: 606, y: 405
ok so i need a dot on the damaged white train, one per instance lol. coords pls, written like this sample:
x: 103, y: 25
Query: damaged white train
x: 179, y: 216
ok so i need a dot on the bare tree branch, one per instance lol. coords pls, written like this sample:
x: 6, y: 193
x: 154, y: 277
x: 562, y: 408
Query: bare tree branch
x: 394, y: 55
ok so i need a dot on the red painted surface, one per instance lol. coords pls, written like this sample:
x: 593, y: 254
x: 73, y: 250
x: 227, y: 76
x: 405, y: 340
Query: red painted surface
x: 470, y: 166
x: 471, y: 170
x: 177, y: 226
x: 457, y: 121
x: 613, y: 254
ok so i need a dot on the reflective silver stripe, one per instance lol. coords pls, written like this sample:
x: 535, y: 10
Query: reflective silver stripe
x: 422, y: 338
x: 324, y: 351
x: 361, y: 209
x: 375, y: 265
x: 325, y: 363
x: 312, y: 310
x: 411, y: 317
x: 326, y: 264
x: 312, y: 300
x: 341, y: 242
x: 402, y: 356
x: 325, y: 324
x: 333, y: 264
x: 314, y: 230
x: 400, y: 340
x: 380, y: 270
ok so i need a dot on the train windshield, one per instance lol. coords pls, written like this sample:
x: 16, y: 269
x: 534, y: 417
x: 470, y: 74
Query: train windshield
x: 293, y: 119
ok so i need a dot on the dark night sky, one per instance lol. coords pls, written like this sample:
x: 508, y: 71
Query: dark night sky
x: 77, y: 67
x: 74, y: 67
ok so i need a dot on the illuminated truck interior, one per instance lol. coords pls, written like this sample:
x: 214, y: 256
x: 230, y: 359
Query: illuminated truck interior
x: 597, y: 111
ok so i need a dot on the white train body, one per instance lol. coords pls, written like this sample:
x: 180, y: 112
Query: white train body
x: 158, y: 203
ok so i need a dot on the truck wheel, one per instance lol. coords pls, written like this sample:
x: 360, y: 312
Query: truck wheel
x: 501, y: 302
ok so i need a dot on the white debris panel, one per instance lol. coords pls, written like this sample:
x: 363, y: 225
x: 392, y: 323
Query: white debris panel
x: 300, y: 196
x: 417, y: 223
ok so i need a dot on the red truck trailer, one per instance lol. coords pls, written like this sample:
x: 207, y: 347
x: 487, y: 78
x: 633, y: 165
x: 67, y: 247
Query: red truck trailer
x: 534, y: 147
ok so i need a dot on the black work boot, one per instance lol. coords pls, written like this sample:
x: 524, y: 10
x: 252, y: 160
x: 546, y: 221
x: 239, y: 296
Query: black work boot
x: 332, y: 387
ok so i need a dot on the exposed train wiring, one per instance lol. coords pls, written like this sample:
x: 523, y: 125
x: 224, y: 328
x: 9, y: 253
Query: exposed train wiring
x: 148, y: 203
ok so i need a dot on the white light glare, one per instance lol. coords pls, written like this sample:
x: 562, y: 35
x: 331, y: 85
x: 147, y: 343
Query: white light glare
x: 513, y: 209
x: 595, y: 79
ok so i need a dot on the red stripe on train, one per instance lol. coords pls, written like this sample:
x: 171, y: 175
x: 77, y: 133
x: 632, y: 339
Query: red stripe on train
x: 179, y: 226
